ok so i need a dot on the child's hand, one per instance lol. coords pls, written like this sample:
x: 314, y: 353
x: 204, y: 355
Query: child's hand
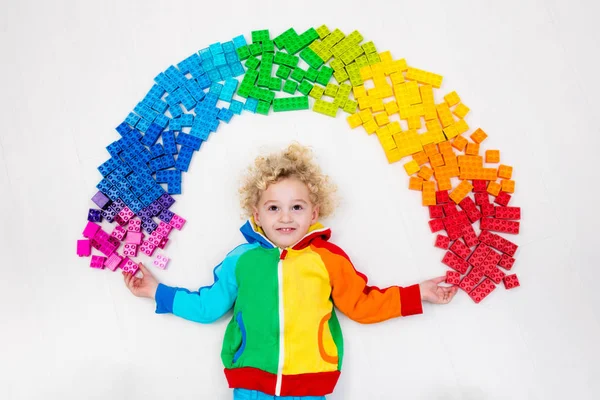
x: 432, y: 293
x: 141, y: 287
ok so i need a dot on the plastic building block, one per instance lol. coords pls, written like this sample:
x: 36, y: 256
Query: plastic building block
x: 290, y: 104
x: 428, y: 198
x: 482, y: 290
x: 500, y: 225
x: 130, y: 250
x: 177, y: 222
x: 97, y: 262
x: 424, y: 77
x: 478, y: 136
x: 508, y: 212
x: 461, y: 191
x: 498, y: 242
x: 495, y: 274
x: 436, y: 211
x: 135, y: 225
x: 505, y: 171
x: 113, y: 261
x: 128, y: 266
x: 134, y: 237
x: 492, y: 156
x: 411, y: 167
x: 479, y: 255
x: 415, y: 183
x: 469, y: 236
x: 455, y: 262
x: 494, y: 188
x: 506, y: 262
x: 460, y: 249
x: 442, y: 197
x: 502, y: 198
x: 84, y: 248
x: 161, y: 261
x: 472, y: 149
x: 90, y: 230
x: 508, y: 186
x: 442, y: 242
x: 436, y: 225
x: 118, y: 232
x: 452, y: 99
x: 461, y: 110
x: 471, y: 279
x: 124, y: 216
x: 452, y: 277
x: 101, y: 200
x: 94, y: 215
x: 511, y: 281
x: 147, y: 248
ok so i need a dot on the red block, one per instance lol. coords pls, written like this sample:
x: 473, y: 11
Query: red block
x: 460, y: 249
x: 436, y: 225
x: 469, y: 236
x: 491, y: 260
x: 499, y: 225
x: 508, y: 212
x: 436, y: 211
x: 455, y: 262
x: 442, y: 197
x: 479, y: 185
x: 479, y: 255
x: 452, y: 277
x: 482, y: 290
x: 471, y: 280
x: 454, y: 232
x: 506, y: 262
x: 482, y: 198
x: 503, y: 198
x: 488, y: 210
x: 449, y: 209
x: 442, y: 242
x: 467, y: 204
x: 511, y: 281
x: 495, y: 274
x: 498, y: 242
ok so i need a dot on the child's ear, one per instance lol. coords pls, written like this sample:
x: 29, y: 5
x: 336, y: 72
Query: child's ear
x: 255, y: 215
x: 315, y: 215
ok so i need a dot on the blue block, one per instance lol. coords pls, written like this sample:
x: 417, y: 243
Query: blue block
x: 226, y: 96
x: 176, y: 124
x: 231, y: 57
x: 239, y: 41
x: 114, y: 149
x: 236, y: 107
x: 196, y: 70
x: 187, y: 100
x: 225, y: 114
x: 208, y: 65
x: 205, y: 54
x: 214, y: 75
x: 189, y: 140
x: 123, y: 128
x: 113, y: 193
x: 184, y: 158
x: 162, y: 120
x: 156, y: 92
x: 251, y: 105
x: 143, y: 125
x: 210, y: 101
x: 175, y: 110
x: 107, y: 167
x: 187, y: 120
x: 160, y: 106
x: 176, y: 76
x: 152, y: 134
x: 195, y: 90
x: 237, y: 69
x: 204, y: 81
x: 219, y: 60
x: 168, y: 139
x: 104, y: 185
x: 145, y: 156
x: 216, y: 48
x: 132, y: 119
x: 163, y: 162
x: 164, y: 82
x: 225, y: 72
x: 157, y: 150
x: 228, y: 47
x: 216, y: 88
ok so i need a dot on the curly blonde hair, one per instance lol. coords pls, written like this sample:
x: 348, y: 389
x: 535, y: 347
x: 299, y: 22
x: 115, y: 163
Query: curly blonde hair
x: 295, y: 161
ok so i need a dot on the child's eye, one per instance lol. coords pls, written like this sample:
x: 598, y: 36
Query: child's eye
x: 297, y: 207
x: 273, y: 208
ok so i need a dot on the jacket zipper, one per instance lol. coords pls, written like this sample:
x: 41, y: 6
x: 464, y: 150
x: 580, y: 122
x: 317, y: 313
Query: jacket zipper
x: 282, y: 254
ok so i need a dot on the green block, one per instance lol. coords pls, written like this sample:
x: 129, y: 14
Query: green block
x: 323, y: 31
x: 252, y: 63
x: 255, y: 49
x: 260, y: 36
x: 373, y: 58
x: 317, y: 92
x: 362, y: 61
x: 340, y: 76
x: 324, y: 75
x: 290, y: 87
x: 281, y: 39
x: 285, y: 59
x: 325, y: 108
x: 268, y: 46
x: 311, y: 74
x: 344, y: 90
x: 305, y: 88
x: 291, y: 104
x: 350, y: 106
x: 298, y: 74
x: 263, y: 81
x: 311, y: 58
x: 263, y: 107
x: 275, y: 83
x: 331, y: 89
x: 337, y: 64
x: 369, y: 47
x: 243, y: 52
x: 283, y: 72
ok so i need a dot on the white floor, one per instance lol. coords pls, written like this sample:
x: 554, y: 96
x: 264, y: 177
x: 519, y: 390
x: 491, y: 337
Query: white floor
x: 71, y: 71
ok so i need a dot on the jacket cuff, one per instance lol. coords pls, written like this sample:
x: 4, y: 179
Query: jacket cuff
x: 410, y: 300
x: 165, y: 295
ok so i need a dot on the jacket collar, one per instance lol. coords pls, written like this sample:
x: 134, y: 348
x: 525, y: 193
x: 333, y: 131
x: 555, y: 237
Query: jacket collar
x: 254, y: 234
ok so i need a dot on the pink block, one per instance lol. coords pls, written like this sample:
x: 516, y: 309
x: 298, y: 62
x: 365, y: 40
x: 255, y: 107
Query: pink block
x: 130, y: 250
x: 101, y: 236
x: 129, y: 266
x: 118, y: 232
x: 90, y: 230
x: 125, y: 215
x: 163, y: 226
x: 134, y: 237
x: 135, y: 225
x: 84, y: 248
x: 147, y: 248
x: 163, y: 243
x: 107, y: 248
x: 113, y: 261
x: 97, y: 262
x: 177, y: 222
x: 155, y: 238
x: 161, y: 261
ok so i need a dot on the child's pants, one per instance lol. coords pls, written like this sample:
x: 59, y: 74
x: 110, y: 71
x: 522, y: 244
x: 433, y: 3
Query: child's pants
x: 245, y: 394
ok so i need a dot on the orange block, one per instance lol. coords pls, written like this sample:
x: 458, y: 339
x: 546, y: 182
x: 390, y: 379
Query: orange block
x: 429, y: 193
x: 494, y: 188
x: 472, y: 149
x: 479, y: 135
x: 436, y: 160
x: 445, y: 148
x: 450, y: 160
x: 421, y: 158
x: 459, y: 143
x: 470, y: 161
x: 444, y: 183
x: 425, y: 173
x: 508, y: 185
x: 430, y: 149
x: 505, y: 171
x: 492, y: 156
x: 461, y: 191
x: 415, y: 183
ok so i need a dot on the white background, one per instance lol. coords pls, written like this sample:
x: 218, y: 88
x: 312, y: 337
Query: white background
x: 70, y: 73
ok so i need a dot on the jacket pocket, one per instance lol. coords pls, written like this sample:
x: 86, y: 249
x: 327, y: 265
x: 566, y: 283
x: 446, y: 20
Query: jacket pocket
x: 240, y: 323
x: 324, y: 339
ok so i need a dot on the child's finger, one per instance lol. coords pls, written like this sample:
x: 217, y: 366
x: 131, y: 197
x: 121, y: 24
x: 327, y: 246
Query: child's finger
x: 439, y: 279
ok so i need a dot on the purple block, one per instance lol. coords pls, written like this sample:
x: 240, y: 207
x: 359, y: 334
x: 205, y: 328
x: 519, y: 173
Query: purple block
x: 97, y: 262
x: 101, y: 200
x: 149, y: 225
x: 166, y: 215
x: 90, y: 230
x: 134, y: 237
x: 155, y: 208
x: 84, y: 248
x: 94, y: 215
x: 166, y: 200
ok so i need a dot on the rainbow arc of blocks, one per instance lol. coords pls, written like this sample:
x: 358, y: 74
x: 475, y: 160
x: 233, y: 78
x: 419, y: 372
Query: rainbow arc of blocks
x: 330, y: 71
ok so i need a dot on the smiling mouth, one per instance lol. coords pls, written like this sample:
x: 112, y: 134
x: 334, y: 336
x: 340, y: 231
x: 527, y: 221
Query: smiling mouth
x: 286, y: 230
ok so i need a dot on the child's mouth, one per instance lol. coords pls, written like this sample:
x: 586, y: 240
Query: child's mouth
x: 286, y: 230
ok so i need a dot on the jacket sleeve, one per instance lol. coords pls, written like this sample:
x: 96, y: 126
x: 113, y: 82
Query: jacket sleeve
x: 356, y: 299
x: 207, y: 304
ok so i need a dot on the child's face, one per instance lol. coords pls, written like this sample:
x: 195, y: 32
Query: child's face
x: 285, y: 212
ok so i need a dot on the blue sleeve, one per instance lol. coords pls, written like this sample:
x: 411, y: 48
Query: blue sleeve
x: 209, y: 303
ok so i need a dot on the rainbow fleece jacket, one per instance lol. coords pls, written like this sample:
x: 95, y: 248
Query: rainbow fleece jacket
x: 284, y: 338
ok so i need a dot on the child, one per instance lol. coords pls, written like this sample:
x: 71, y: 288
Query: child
x: 284, y: 338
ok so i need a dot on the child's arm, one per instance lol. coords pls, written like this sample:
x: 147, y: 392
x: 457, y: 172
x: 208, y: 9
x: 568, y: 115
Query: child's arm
x: 206, y: 305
